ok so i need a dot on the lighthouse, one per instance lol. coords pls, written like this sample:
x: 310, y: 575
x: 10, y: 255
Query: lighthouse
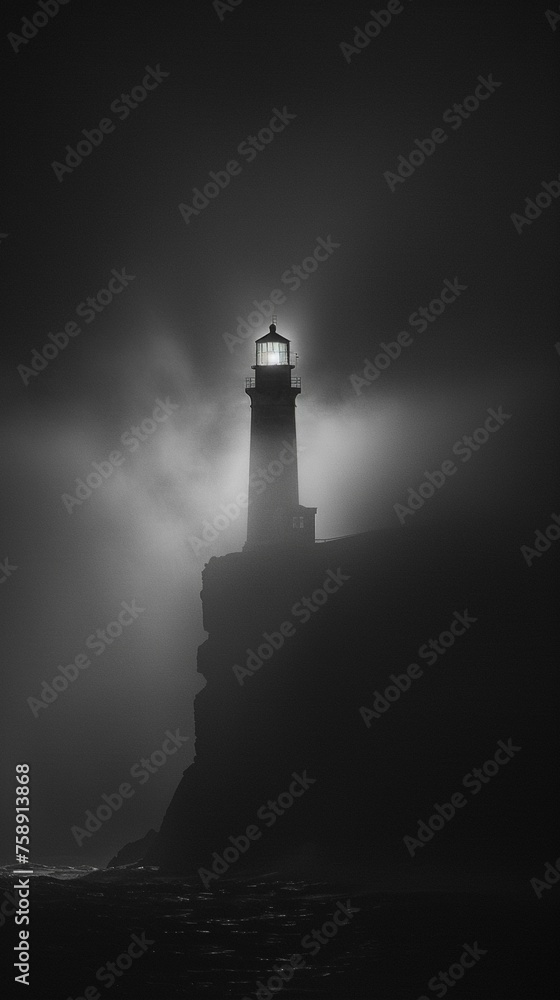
x: 275, y: 516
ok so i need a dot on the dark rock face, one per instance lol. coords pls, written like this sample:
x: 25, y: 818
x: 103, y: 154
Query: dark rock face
x: 300, y: 711
x: 134, y: 851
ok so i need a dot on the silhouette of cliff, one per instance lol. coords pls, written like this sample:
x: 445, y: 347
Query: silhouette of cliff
x: 133, y: 851
x: 300, y: 711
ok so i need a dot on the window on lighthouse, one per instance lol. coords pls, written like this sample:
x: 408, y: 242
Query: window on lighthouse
x: 272, y: 353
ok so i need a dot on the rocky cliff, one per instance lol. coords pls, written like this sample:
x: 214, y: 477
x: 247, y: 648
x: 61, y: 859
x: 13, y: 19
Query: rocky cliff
x: 310, y: 685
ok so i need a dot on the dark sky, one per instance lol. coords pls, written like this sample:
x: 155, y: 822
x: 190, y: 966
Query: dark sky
x: 162, y: 336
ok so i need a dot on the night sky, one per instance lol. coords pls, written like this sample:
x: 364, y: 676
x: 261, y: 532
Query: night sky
x: 328, y: 175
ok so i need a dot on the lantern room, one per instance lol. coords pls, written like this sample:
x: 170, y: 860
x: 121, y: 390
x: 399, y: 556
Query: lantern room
x: 272, y: 349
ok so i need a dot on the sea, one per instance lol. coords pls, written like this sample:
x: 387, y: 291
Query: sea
x: 390, y: 941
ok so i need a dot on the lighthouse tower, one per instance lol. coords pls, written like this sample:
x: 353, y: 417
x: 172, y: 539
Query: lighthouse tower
x: 275, y: 516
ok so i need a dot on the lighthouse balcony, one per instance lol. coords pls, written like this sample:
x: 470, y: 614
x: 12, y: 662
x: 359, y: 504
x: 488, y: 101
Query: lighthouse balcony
x: 295, y: 382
